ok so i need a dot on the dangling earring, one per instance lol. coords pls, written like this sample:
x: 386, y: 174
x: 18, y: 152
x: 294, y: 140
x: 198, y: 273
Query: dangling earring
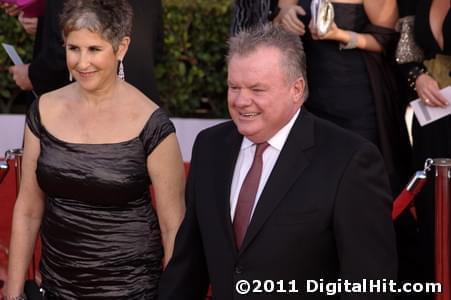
x: 70, y: 77
x: 121, y: 73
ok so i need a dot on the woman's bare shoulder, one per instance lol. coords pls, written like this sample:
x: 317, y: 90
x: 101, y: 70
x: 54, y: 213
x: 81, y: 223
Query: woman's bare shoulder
x: 139, y: 103
x: 53, y: 103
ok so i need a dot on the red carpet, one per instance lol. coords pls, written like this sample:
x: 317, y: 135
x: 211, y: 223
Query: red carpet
x: 7, y: 198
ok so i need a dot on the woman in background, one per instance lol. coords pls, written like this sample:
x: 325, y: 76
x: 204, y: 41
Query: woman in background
x: 351, y: 82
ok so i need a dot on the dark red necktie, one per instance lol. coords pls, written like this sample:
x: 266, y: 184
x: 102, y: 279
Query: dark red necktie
x: 247, y: 195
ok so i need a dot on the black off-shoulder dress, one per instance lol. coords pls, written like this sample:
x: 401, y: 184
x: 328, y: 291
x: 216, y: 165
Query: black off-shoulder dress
x: 100, y: 235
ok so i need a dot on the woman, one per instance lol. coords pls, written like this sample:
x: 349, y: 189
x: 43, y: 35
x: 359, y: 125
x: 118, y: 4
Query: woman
x: 432, y: 33
x: 350, y: 81
x: 91, y: 150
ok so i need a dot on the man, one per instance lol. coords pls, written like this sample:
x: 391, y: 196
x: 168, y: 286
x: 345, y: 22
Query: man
x: 321, y: 210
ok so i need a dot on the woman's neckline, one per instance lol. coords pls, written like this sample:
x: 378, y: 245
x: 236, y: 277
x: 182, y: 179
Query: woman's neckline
x: 60, y: 140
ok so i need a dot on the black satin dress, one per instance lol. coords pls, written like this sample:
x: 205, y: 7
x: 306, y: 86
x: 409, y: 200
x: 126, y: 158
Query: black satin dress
x: 100, y: 235
x: 339, y: 86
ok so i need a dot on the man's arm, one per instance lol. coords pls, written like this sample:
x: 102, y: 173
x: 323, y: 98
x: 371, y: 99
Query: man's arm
x: 363, y: 227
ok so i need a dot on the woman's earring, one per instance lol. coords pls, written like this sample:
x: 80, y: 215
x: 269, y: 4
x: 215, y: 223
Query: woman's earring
x: 70, y: 77
x: 121, y: 73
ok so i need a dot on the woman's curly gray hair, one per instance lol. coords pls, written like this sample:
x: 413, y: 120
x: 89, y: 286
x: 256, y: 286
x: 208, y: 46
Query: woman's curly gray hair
x: 112, y: 19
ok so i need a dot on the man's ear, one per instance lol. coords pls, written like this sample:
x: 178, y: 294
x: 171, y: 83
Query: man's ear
x: 298, y: 89
x: 123, y: 48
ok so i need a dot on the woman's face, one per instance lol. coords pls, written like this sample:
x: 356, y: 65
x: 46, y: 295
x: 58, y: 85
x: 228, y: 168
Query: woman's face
x: 91, y: 59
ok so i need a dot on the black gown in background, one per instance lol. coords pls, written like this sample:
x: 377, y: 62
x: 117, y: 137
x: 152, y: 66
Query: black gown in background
x: 100, y: 235
x: 338, y: 82
x: 356, y: 89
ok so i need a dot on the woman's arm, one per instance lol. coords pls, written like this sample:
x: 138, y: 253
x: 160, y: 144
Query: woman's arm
x: 166, y: 170
x: 383, y: 13
x: 27, y: 217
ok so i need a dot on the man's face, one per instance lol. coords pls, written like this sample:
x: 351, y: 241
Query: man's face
x: 260, y: 99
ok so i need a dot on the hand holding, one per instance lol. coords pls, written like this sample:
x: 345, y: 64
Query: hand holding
x: 288, y: 18
x: 19, y: 74
x: 334, y: 33
x: 428, y: 90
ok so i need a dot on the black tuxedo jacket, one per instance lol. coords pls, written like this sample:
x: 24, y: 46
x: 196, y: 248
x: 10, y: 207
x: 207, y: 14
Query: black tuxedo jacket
x: 324, y: 213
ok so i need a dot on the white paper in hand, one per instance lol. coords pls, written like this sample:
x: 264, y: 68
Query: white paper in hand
x: 428, y: 114
x: 12, y: 53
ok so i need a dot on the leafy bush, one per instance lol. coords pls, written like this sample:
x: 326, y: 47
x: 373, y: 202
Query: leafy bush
x: 11, y: 33
x: 191, y: 73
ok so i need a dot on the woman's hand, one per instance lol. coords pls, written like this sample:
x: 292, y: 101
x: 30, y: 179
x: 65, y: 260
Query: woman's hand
x: 428, y: 90
x: 334, y: 33
x: 29, y: 24
x: 288, y: 18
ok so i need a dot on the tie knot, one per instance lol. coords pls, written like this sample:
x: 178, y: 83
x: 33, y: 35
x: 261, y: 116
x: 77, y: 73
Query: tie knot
x: 261, y: 148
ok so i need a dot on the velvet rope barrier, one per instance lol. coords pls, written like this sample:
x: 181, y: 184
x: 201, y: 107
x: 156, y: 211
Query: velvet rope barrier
x: 442, y: 226
x: 414, y: 186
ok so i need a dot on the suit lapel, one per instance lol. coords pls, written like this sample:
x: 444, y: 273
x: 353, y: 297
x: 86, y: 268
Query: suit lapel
x: 292, y: 161
x: 224, y: 173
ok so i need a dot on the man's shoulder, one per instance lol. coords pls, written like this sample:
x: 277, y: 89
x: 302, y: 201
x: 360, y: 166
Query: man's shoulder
x: 218, y: 131
x: 336, y: 138
x: 330, y: 129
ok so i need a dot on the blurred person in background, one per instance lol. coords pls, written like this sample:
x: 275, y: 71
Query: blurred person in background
x: 351, y: 81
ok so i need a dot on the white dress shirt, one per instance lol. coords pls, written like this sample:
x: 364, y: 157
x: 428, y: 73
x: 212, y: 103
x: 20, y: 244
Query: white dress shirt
x: 246, y: 156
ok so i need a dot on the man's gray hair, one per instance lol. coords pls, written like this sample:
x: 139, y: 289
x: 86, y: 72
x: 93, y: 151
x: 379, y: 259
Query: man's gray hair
x: 293, y: 57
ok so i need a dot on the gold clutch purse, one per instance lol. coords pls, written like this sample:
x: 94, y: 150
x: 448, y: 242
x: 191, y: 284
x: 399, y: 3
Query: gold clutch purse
x: 322, y: 15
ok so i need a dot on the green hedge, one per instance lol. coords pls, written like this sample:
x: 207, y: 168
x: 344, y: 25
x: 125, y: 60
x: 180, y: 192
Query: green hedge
x: 191, y: 73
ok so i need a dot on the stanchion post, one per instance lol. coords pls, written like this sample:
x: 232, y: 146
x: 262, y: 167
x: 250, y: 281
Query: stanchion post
x: 16, y: 154
x: 442, y: 225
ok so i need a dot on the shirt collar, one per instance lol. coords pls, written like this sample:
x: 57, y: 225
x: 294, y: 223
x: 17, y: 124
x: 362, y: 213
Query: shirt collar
x: 278, y: 140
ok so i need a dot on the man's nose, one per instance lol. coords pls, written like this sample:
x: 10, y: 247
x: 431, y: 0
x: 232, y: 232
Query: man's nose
x: 243, y: 98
